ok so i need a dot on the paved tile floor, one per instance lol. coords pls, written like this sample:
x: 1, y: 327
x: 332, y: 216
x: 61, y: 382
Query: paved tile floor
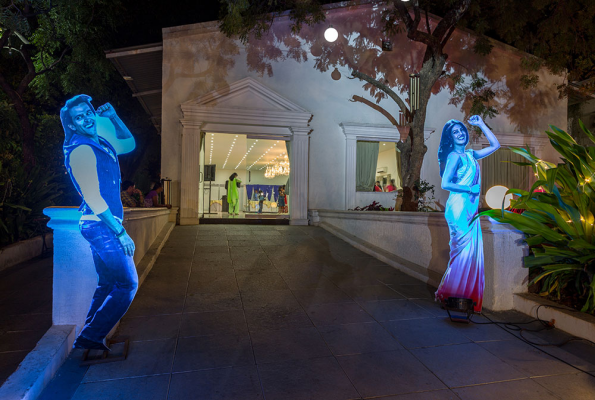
x: 281, y: 312
x: 25, y: 310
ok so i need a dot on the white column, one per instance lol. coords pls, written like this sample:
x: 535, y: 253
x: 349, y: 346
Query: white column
x: 299, y: 176
x: 190, y: 175
x: 350, y: 166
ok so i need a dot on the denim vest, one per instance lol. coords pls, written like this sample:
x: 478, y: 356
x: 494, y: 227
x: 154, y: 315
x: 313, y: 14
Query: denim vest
x: 108, y: 172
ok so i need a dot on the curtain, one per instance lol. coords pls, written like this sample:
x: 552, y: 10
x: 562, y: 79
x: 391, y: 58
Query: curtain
x: 365, y: 165
x: 398, y: 179
x: 497, y: 169
x: 288, y: 145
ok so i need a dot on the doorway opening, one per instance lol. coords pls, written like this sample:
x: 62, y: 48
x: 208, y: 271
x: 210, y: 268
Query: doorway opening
x: 263, y: 169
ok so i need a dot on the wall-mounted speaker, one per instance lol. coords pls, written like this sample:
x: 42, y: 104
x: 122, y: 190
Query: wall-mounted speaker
x: 210, y: 172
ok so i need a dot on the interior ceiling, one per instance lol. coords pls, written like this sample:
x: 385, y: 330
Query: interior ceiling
x: 229, y: 151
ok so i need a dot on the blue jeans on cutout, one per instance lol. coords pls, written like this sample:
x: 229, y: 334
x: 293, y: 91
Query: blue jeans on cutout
x: 260, y: 207
x: 117, y: 283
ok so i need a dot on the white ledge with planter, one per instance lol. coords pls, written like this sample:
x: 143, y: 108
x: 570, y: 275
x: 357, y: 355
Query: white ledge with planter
x: 74, y: 283
x: 417, y: 243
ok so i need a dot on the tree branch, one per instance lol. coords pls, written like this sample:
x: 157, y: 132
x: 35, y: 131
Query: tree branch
x: 448, y: 35
x: 412, y: 32
x: 4, y: 38
x: 30, y: 72
x: 451, y: 19
x: 52, y: 65
x: 391, y: 93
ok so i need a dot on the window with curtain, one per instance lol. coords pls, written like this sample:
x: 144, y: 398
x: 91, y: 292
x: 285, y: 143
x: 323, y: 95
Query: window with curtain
x: 377, y: 162
x: 497, y: 169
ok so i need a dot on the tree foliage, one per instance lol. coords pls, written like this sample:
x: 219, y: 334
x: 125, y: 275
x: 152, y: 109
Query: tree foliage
x: 50, y: 47
x: 559, y: 34
x: 559, y: 222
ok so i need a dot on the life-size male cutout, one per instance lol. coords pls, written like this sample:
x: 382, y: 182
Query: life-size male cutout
x: 93, y: 141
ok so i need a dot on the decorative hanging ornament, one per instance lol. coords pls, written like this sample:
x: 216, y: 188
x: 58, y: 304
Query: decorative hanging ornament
x: 336, y: 75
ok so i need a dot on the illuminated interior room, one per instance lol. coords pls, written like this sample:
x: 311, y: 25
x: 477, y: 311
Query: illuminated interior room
x: 261, y: 164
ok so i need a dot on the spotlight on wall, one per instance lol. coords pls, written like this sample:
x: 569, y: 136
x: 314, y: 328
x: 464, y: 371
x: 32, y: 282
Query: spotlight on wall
x: 496, y: 194
x: 331, y: 34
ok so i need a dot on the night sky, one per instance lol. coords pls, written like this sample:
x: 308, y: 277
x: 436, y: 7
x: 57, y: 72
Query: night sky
x: 145, y: 18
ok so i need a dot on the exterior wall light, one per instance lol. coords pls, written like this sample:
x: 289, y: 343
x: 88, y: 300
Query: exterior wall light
x: 496, y: 195
x: 331, y: 34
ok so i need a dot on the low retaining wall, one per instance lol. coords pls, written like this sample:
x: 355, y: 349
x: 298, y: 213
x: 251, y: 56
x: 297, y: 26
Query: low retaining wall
x: 75, y: 281
x: 24, y: 250
x: 417, y: 244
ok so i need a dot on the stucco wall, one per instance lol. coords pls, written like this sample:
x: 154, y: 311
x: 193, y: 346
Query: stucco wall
x: 198, y: 59
x: 417, y: 244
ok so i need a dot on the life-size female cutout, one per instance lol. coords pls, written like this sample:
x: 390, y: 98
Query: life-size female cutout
x: 459, y: 169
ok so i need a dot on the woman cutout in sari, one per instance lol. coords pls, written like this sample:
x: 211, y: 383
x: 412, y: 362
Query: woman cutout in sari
x: 459, y: 169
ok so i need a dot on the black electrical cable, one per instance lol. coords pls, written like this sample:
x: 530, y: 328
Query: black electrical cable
x: 547, y: 325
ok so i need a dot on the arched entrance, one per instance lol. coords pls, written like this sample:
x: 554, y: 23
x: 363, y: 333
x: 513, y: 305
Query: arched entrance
x: 245, y: 107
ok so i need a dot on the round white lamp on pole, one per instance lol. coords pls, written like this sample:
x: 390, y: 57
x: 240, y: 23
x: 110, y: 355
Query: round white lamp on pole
x: 331, y: 34
x: 496, y: 194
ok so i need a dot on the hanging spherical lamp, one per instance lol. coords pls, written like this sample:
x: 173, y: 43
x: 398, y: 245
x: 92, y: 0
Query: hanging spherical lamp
x: 331, y: 34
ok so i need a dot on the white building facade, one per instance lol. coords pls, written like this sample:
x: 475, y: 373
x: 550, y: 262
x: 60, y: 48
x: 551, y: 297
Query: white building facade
x: 284, y: 87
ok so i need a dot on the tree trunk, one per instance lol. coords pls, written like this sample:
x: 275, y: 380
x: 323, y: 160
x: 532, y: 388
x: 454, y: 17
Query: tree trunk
x: 413, y: 149
x: 28, y: 133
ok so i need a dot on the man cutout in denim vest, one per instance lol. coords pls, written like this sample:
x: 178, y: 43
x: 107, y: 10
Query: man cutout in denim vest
x: 93, y: 141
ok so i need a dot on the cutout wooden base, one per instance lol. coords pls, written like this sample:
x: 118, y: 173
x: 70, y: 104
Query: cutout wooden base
x: 105, y: 356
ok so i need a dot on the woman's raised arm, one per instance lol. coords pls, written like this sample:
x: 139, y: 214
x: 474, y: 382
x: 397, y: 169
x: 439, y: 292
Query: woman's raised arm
x: 494, y: 143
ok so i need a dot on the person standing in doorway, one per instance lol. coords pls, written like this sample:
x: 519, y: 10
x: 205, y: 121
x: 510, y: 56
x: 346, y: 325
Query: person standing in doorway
x: 281, y: 200
x: 260, y: 201
x: 233, y: 194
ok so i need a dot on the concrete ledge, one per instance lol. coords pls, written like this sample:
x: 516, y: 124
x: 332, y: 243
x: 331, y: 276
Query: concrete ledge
x: 146, y: 264
x: 574, y: 322
x: 40, y: 365
x: 417, y: 243
x: 24, y: 250
x: 411, y: 269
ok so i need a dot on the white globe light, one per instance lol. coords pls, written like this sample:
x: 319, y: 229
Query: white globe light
x: 496, y: 194
x: 331, y: 34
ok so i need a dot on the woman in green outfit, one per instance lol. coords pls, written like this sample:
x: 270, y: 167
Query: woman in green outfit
x: 233, y: 194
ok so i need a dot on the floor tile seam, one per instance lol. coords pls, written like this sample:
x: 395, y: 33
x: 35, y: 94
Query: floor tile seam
x: 381, y: 397
x: 154, y: 315
x: 490, y: 383
x: 290, y: 361
x: 23, y: 330
x: 538, y: 382
x: 325, y: 341
x: 551, y: 358
x: 539, y: 348
x: 177, y: 338
x: 250, y: 337
x: 412, y: 354
x: 83, y: 382
x: 16, y: 351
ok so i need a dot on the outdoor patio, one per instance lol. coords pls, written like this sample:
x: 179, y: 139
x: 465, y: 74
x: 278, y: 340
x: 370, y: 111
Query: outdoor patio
x: 241, y: 312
